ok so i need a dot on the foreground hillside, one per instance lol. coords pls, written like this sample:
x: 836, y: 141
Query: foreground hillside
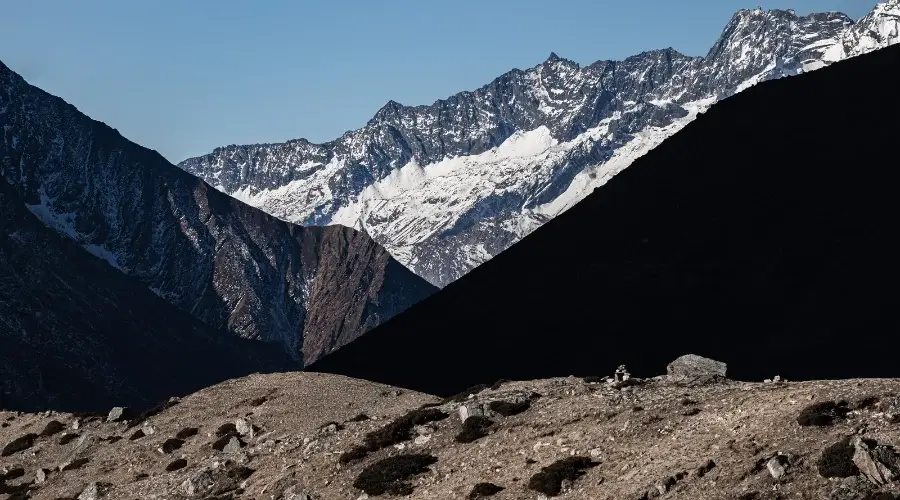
x: 308, y: 436
x: 225, y: 263
x: 762, y: 234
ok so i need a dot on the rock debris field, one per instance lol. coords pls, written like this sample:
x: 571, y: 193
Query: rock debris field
x: 690, y: 434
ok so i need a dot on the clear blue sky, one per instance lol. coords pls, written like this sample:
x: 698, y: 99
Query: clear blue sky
x: 185, y: 76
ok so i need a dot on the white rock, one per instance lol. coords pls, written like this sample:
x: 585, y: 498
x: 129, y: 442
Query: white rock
x: 470, y: 410
x: 243, y: 427
x: 776, y: 469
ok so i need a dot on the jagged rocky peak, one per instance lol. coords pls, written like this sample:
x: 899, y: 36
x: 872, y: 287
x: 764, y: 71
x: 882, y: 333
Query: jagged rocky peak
x: 390, y: 111
x: 448, y: 185
x: 878, y: 29
x: 229, y: 265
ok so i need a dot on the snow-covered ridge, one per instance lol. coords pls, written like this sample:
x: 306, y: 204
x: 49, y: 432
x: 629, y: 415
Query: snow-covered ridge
x: 446, y: 186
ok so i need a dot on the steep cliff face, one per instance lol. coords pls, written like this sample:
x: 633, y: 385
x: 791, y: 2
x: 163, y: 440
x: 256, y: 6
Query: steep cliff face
x: 229, y: 265
x: 447, y: 186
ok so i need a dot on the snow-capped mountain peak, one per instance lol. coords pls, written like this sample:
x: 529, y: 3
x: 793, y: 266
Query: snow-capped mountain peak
x: 446, y: 186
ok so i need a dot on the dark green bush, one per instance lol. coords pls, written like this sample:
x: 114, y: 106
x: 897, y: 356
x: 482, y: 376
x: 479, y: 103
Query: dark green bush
x: 391, y: 474
x: 549, y: 480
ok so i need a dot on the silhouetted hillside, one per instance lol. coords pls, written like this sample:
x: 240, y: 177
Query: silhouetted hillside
x: 78, y: 335
x: 764, y: 234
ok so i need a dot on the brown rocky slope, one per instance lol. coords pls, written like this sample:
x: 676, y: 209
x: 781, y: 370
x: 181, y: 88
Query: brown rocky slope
x: 302, y: 436
x: 221, y: 261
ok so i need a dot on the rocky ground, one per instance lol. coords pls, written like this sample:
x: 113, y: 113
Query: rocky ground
x: 690, y: 434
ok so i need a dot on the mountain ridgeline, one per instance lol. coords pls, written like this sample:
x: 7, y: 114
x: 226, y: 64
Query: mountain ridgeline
x: 762, y: 235
x: 445, y: 187
x: 78, y: 335
x: 229, y: 265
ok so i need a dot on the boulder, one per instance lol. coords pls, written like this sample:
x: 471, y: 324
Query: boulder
x: 878, y: 463
x: 117, y: 414
x: 696, y: 369
x: 52, y: 428
x: 471, y: 410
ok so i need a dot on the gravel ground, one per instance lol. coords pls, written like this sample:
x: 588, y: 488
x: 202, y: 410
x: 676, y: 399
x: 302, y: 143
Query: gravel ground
x: 288, y: 435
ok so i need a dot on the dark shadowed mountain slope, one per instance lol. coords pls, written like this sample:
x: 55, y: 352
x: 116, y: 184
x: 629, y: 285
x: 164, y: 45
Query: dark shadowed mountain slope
x: 225, y: 263
x: 76, y: 334
x: 764, y: 234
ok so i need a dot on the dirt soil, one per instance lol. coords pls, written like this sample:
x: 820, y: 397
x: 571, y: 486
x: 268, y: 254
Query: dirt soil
x: 286, y: 436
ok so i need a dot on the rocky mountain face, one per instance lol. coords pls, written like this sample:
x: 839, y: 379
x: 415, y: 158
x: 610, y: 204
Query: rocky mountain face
x: 227, y: 264
x: 447, y: 186
x: 759, y: 235
x: 77, y: 334
x: 305, y: 436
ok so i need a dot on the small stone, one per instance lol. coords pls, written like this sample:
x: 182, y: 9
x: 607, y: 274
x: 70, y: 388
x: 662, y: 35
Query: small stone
x: 420, y: 440
x: 233, y: 446
x: 117, y: 414
x: 95, y: 491
x: 292, y: 494
x: 595, y: 453
x: 776, y: 378
x: 148, y: 429
x: 243, y: 428
x: 40, y: 477
x: 330, y: 428
x: 776, y: 466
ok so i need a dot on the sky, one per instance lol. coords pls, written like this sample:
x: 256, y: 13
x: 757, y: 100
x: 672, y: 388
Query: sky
x: 185, y: 76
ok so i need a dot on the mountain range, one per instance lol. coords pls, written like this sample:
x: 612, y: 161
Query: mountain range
x: 762, y: 235
x: 447, y: 186
x: 236, y: 269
